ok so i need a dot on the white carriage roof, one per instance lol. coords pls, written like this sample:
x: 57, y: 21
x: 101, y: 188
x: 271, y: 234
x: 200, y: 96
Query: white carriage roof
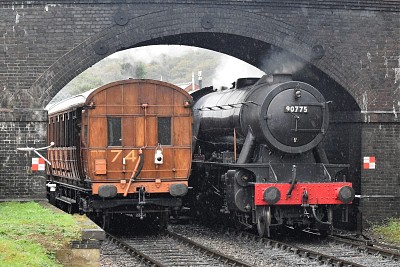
x: 66, y: 104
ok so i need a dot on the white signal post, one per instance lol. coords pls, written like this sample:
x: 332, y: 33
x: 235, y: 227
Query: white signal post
x: 35, y: 150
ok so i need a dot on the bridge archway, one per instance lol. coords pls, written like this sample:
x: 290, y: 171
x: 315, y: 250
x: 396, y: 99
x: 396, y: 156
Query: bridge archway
x: 247, y: 36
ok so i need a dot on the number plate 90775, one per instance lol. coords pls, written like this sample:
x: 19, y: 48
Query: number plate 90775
x: 296, y: 109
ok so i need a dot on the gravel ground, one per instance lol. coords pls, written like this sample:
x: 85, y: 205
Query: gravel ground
x: 342, y: 251
x: 253, y: 252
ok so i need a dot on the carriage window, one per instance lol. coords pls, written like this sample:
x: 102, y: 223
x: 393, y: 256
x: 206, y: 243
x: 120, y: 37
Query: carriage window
x: 114, y: 132
x: 164, y: 131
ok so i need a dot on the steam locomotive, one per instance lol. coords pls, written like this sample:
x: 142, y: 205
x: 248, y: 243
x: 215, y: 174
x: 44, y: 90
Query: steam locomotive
x: 258, y: 158
x: 123, y: 148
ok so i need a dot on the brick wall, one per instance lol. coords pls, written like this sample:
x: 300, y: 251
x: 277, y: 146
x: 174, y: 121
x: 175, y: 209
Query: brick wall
x: 21, y: 128
x: 355, y: 44
x: 381, y: 187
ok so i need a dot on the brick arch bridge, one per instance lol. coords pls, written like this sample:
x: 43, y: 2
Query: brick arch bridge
x: 352, y: 50
x: 220, y: 29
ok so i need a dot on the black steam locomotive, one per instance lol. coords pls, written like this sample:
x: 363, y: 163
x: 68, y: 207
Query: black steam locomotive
x: 258, y: 157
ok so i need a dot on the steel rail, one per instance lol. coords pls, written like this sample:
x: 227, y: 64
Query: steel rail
x: 135, y: 253
x: 369, y: 248
x: 210, y: 252
x: 194, y: 245
x: 368, y: 242
x: 302, y: 252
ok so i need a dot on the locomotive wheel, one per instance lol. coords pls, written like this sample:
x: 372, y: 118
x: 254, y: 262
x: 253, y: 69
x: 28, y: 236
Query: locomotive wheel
x: 264, y: 222
x: 80, y: 207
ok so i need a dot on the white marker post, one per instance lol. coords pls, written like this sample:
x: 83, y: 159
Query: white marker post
x: 28, y: 149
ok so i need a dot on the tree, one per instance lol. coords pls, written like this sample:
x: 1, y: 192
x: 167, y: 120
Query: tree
x: 174, y: 69
x: 140, y: 71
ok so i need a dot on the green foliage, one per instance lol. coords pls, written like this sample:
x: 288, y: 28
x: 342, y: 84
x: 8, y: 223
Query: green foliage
x: 389, y: 230
x: 140, y: 71
x: 22, y: 252
x: 170, y: 69
x: 179, y: 69
x: 29, y: 234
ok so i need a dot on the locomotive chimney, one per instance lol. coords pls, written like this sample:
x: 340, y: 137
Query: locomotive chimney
x: 282, y: 77
x: 275, y: 78
x: 245, y: 82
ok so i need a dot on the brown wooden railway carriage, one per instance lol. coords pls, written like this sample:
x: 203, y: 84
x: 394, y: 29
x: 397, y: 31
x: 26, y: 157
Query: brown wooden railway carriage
x: 122, y: 148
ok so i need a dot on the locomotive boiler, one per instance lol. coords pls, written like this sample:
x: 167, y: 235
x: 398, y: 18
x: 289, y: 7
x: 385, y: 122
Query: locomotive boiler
x: 258, y: 157
x: 123, y: 148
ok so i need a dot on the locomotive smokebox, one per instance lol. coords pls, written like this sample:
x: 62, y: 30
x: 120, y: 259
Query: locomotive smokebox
x: 288, y: 116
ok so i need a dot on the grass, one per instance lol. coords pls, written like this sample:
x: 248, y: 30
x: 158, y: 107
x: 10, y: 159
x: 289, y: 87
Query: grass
x: 390, y: 230
x: 30, y: 234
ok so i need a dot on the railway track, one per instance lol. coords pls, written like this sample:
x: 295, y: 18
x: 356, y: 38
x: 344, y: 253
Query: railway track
x: 332, y: 251
x: 171, y: 249
x: 194, y: 245
x: 349, y: 252
x: 369, y: 246
x: 365, y: 240
x: 113, y: 254
x: 249, y: 247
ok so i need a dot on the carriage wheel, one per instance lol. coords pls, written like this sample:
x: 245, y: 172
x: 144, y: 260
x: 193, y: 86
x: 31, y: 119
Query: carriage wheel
x: 264, y: 221
x: 106, y: 222
x: 69, y: 207
x: 163, y: 220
